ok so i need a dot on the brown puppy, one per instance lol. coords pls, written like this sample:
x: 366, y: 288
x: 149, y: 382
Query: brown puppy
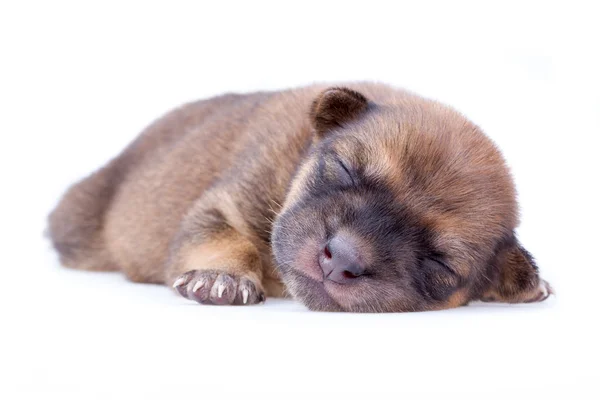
x: 359, y: 198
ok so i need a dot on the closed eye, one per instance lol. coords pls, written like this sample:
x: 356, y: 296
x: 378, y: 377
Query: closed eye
x: 346, y: 171
x: 444, y: 265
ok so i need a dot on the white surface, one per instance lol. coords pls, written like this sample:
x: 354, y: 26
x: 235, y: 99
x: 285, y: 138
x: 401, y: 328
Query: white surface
x: 78, y: 82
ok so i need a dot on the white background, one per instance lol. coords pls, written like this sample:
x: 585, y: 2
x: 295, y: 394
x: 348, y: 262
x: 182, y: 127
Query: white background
x: 79, y: 80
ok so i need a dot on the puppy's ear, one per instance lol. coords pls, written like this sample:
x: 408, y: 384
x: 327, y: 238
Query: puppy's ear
x: 515, y: 277
x: 334, y: 107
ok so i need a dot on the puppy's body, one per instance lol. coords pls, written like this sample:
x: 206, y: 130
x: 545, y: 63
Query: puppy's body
x: 194, y: 201
x: 233, y: 154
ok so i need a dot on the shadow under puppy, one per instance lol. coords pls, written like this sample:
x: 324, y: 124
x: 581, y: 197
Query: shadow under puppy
x: 359, y: 198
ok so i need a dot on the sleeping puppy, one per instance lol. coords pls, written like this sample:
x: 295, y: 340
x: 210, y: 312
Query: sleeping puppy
x: 359, y: 198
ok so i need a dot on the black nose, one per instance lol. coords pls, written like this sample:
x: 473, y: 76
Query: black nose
x: 341, y: 261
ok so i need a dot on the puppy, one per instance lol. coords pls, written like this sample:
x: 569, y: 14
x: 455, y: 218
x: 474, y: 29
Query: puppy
x: 359, y: 198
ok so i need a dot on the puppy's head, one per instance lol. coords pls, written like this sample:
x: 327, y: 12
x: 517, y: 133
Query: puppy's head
x: 401, y: 205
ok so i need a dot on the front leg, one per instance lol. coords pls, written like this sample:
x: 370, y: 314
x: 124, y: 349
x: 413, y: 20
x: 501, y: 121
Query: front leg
x: 211, y: 262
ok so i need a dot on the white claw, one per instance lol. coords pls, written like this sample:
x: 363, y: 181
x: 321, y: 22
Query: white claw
x: 198, y: 285
x: 545, y: 289
x: 179, y: 282
x: 245, y: 295
x: 220, y: 290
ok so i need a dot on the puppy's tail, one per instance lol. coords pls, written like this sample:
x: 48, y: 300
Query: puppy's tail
x: 75, y: 226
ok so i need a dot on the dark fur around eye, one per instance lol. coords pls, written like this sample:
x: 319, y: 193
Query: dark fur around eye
x: 336, y: 172
x: 345, y: 174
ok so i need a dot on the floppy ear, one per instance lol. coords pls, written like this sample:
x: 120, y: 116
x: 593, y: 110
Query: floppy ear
x: 334, y: 107
x: 515, y: 277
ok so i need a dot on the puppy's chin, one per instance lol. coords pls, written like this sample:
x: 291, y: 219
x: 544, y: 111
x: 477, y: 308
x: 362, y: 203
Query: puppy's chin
x: 304, y: 279
x: 310, y: 292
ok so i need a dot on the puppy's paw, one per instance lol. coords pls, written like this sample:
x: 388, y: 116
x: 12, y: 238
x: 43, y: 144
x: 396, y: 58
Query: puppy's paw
x: 540, y: 293
x: 216, y: 287
x: 543, y: 292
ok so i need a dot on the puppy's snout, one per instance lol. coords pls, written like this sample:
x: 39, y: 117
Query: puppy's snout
x: 341, y: 261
